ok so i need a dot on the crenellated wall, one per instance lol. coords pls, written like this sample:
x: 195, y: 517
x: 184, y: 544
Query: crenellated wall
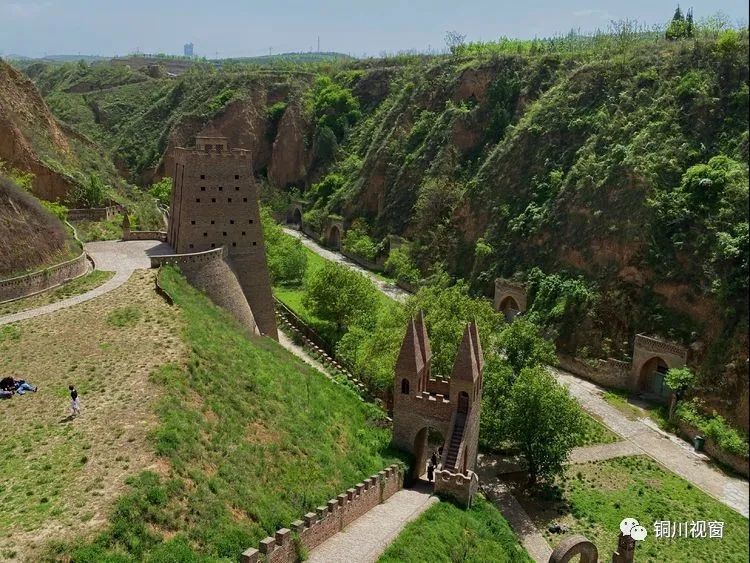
x: 42, y: 280
x: 327, y: 520
x: 144, y: 235
x: 94, y: 213
x: 211, y: 273
x: 458, y: 486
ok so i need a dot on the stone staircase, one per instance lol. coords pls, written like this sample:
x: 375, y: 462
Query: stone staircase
x: 455, y: 442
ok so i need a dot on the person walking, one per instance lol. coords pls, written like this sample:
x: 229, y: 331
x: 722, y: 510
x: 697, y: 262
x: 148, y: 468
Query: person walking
x: 430, y: 471
x: 74, y: 407
x: 434, y: 459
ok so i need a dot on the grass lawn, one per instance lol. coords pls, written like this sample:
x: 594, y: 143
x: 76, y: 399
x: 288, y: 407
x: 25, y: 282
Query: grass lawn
x: 74, y: 287
x: 89, y: 231
x: 251, y: 439
x: 621, y: 401
x: 447, y: 533
x: 60, y: 477
x: 594, y: 432
x: 593, y: 498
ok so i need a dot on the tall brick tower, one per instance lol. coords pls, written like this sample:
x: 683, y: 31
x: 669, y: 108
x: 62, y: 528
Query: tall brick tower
x: 215, y: 204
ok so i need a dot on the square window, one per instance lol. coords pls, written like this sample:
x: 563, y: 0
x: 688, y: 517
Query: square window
x: 197, y: 200
x: 212, y: 221
x: 213, y: 245
x: 221, y: 188
x: 254, y: 243
x: 205, y: 234
x: 234, y: 244
x: 203, y: 188
x: 231, y: 221
x: 224, y: 233
x: 213, y: 200
x: 192, y: 222
x: 236, y: 188
x: 236, y: 177
x: 243, y: 233
x: 229, y: 200
x: 251, y: 221
x: 190, y: 245
x: 244, y: 199
x: 203, y: 176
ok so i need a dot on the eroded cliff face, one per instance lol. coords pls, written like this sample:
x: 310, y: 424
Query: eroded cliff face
x: 27, y: 128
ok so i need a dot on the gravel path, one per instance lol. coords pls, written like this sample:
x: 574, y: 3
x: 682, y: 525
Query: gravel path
x: 365, y: 539
x: 391, y: 290
x: 673, y: 453
x: 111, y: 256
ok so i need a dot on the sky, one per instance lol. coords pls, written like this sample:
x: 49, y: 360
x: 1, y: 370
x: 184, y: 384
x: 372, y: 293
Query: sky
x: 233, y: 28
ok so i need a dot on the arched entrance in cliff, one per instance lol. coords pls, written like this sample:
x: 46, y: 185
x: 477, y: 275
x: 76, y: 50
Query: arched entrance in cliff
x: 334, y: 237
x: 651, y: 379
x: 427, y: 441
x: 297, y: 217
x: 509, y: 308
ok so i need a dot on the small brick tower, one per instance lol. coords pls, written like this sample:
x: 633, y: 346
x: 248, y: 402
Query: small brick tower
x: 452, y: 407
x: 215, y: 204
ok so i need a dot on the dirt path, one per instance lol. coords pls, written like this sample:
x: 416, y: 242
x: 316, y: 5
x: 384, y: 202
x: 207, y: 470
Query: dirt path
x: 671, y: 452
x: 120, y: 257
x: 391, y: 290
x: 365, y: 539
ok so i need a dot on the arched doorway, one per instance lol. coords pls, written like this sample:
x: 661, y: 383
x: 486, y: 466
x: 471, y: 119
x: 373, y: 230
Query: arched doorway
x: 297, y: 217
x: 334, y: 238
x: 427, y: 441
x: 651, y: 379
x: 509, y: 308
x: 463, y: 402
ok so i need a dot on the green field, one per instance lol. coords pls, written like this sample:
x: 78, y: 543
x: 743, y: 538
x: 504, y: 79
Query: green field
x: 446, y: 533
x: 252, y: 440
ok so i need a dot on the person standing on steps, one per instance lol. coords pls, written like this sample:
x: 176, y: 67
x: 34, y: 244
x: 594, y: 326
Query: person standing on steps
x: 434, y: 459
x: 430, y: 471
x: 74, y: 408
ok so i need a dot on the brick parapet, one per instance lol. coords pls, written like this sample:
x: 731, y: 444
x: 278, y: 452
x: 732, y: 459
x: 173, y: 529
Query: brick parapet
x: 459, y: 486
x: 42, y: 280
x: 145, y: 235
x: 327, y: 520
x: 94, y: 213
x: 658, y: 346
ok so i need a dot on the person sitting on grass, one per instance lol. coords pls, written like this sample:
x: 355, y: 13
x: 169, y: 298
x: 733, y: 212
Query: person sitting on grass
x: 22, y: 386
x: 8, y: 384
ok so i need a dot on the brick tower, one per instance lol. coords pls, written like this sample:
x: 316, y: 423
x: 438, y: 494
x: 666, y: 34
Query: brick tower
x: 215, y: 204
x: 451, y: 407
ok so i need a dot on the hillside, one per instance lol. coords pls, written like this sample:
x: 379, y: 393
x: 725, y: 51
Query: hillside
x: 32, y: 140
x: 610, y: 172
x: 30, y: 236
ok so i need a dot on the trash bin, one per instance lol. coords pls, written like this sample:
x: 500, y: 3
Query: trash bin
x: 698, y: 442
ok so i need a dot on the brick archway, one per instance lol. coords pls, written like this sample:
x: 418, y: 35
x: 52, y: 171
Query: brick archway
x: 572, y: 547
x: 510, y: 298
x: 426, y: 440
x: 651, y: 377
x: 297, y: 217
x: 651, y: 356
x: 334, y: 237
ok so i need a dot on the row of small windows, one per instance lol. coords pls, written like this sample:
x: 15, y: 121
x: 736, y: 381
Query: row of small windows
x: 213, y: 200
x: 213, y: 244
x: 225, y: 234
x: 236, y: 177
x: 221, y: 188
x: 231, y: 222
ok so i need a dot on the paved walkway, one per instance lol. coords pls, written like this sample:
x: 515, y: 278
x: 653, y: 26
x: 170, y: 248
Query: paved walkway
x: 111, y: 256
x: 673, y: 453
x: 365, y: 539
x: 391, y: 290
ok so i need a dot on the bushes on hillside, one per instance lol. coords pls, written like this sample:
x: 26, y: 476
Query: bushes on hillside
x: 714, y: 427
x: 287, y: 259
x: 401, y: 266
x: 357, y: 241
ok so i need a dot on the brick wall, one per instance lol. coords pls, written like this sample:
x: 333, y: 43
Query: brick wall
x: 36, y: 282
x: 145, y: 235
x: 211, y: 273
x: 608, y: 373
x: 738, y: 463
x: 93, y: 214
x: 458, y: 486
x: 327, y: 520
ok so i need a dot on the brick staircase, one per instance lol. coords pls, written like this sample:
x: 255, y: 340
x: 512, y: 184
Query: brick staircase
x: 455, y: 442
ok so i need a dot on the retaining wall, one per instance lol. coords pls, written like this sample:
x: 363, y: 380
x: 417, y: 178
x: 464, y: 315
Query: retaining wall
x: 738, y: 463
x: 458, y: 486
x: 42, y: 280
x: 608, y: 373
x: 94, y: 213
x: 377, y: 266
x: 210, y: 273
x: 145, y: 235
x: 327, y: 520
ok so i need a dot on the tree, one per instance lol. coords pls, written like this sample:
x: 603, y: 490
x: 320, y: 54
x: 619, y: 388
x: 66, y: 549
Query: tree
x: 525, y: 347
x: 338, y: 294
x: 680, y: 27
x: 544, y: 420
x: 162, y: 191
x: 89, y: 193
x: 287, y: 258
x: 455, y: 41
x: 680, y: 380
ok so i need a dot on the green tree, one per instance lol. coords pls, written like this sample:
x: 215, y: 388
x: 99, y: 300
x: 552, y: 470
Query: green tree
x: 525, y: 347
x: 286, y: 256
x: 680, y: 380
x: 333, y: 106
x: 401, y: 265
x: 92, y: 192
x: 680, y: 27
x: 162, y: 191
x: 544, y: 420
x: 357, y: 241
x: 338, y: 294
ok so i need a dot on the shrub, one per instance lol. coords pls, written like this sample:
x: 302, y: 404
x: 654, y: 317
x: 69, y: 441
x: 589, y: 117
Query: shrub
x: 162, y: 191
x: 401, y: 265
x: 714, y: 427
x: 359, y: 243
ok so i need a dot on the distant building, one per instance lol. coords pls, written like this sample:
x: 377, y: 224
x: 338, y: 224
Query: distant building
x: 188, y: 49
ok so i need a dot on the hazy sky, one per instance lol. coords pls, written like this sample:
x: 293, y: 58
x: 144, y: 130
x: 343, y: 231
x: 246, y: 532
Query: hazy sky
x: 245, y: 27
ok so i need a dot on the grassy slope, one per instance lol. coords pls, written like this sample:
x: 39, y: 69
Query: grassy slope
x: 253, y: 439
x: 597, y: 496
x: 445, y: 533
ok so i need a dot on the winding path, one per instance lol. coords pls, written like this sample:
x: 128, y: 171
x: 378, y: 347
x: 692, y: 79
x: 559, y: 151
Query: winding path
x: 120, y: 257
